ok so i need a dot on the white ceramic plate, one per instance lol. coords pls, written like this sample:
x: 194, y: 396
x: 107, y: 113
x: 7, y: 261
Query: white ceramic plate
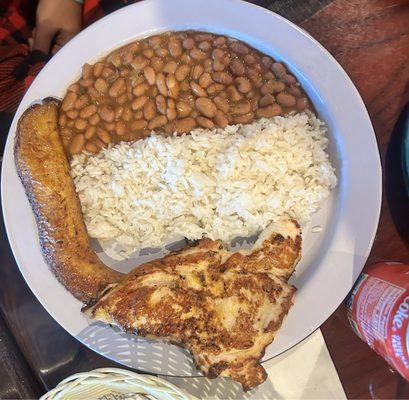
x: 332, y: 259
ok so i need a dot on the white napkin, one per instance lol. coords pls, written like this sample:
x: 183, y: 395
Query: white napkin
x: 304, y: 372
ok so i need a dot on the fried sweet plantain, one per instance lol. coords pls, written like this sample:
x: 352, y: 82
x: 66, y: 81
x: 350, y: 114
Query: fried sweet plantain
x: 43, y: 168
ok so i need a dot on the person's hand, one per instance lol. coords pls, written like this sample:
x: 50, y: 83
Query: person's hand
x: 57, y: 21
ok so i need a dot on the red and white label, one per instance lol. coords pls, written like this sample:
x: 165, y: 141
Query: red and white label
x: 378, y: 309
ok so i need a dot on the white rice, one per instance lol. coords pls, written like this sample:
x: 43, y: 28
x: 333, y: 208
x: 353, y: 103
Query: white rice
x: 219, y: 183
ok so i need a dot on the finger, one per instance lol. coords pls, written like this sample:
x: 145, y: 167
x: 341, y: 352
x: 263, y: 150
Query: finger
x: 61, y: 39
x: 42, y: 38
x: 64, y: 36
x: 55, y: 48
x: 31, y: 39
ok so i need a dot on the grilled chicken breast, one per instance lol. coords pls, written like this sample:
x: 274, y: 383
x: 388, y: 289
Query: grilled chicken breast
x: 224, y: 308
x: 45, y: 173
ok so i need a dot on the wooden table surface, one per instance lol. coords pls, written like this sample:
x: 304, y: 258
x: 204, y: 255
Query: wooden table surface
x: 370, y: 39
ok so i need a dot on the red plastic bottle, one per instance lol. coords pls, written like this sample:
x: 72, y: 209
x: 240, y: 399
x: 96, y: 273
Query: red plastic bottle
x: 378, y: 310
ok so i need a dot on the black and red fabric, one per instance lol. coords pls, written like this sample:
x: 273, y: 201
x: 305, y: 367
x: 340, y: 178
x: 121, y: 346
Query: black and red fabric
x: 19, y: 65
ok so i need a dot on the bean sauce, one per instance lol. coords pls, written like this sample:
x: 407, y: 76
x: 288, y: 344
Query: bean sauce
x: 174, y: 82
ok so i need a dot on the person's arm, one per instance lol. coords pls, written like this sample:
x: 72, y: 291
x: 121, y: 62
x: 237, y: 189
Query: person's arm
x: 57, y: 21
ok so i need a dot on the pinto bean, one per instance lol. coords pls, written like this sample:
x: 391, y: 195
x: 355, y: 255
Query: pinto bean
x: 118, y: 112
x: 266, y: 100
x: 269, y: 75
x: 62, y: 120
x: 149, y: 110
x: 139, y: 63
x: 267, y: 61
x: 208, y: 65
x: 220, y: 119
x: 188, y: 43
x: 278, y: 69
x: 184, y: 86
x: 206, y: 107
x: 91, y: 147
x: 222, y: 104
x: 186, y: 59
x: 183, y: 109
x: 104, y: 136
x: 197, y: 71
x: 99, y: 143
x: 117, y: 87
x: 286, y: 100
x: 220, y: 41
x: 255, y: 77
x: 222, y: 77
x: 233, y: 93
x: 161, y: 51
x: 175, y: 48
x: 77, y: 144
x: 278, y: 86
x: 205, y: 122
x: 94, y: 119
x: 250, y: 59
x: 170, y: 67
x: 120, y: 128
x: 182, y: 72
x: 240, y: 108
x: 203, y: 36
x: 94, y: 94
x: 148, y: 53
x: 243, y: 118
x: 215, y: 88
x: 157, y: 64
x: 150, y: 75
x: 185, y: 125
x: 205, y: 45
x: 173, y: 86
x: 87, y: 111
x: 289, y: 79
x: 141, y: 89
x: 69, y: 101
x: 80, y: 124
x: 128, y: 114
x: 90, y: 132
x: 295, y: 91
x: 157, y: 122
x: 197, y: 54
x: 110, y: 126
x: 138, y: 125
x: 269, y: 111
x: 72, y: 114
x: 171, y: 114
x: 161, y: 84
x: 243, y: 84
x: 86, y: 71
x: 139, y: 102
x: 161, y: 104
x: 205, y: 80
x: 74, y: 88
x: 97, y: 69
x: 106, y: 113
x: 127, y: 58
x: 237, y: 67
x: 302, y: 103
x: 239, y: 47
x: 267, y: 87
x: 197, y: 89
